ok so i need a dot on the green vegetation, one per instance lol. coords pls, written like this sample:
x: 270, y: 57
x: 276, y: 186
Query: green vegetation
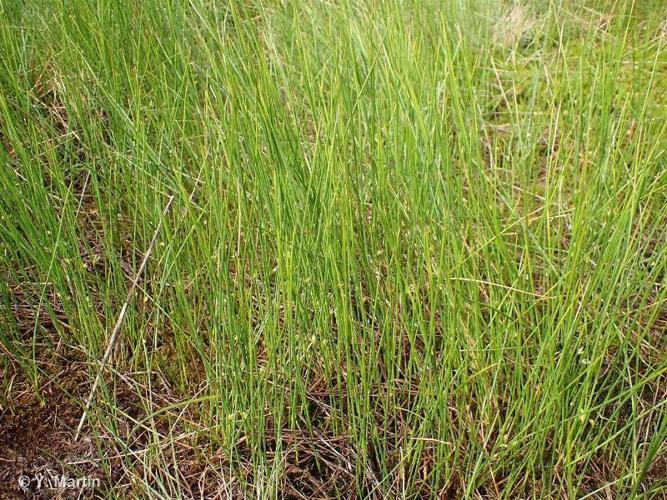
x: 415, y: 249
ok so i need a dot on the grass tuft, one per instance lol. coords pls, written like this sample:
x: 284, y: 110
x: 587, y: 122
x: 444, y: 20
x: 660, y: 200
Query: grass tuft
x: 414, y: 249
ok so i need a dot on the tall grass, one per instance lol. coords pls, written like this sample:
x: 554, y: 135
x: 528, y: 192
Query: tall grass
x: 416, y: 248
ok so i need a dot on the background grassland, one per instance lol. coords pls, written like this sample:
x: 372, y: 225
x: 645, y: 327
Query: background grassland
x: 415, y: 248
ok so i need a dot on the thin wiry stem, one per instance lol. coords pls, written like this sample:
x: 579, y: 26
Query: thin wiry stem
x: 119, y: 321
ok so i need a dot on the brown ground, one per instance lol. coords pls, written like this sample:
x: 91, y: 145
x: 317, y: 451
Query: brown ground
x: 37, y: 437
